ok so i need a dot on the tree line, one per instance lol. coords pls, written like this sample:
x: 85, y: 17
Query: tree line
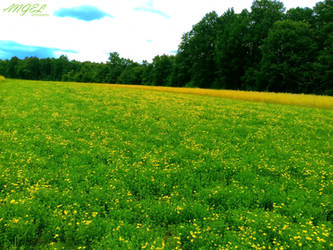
x: 264, y: 49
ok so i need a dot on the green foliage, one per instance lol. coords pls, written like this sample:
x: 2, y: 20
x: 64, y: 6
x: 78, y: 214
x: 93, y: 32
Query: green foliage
x: 288, y: 55
x: 231, y: 52
x: 304, y: 15
x: 132, y: 75
x: 324, y: 20
x: 102, y: 167
x: 116, y: 66
x: 324, y: 68
x: 161, y: 70
x: 324, y: 62
x: 199, y: 45
x: 2, y: 78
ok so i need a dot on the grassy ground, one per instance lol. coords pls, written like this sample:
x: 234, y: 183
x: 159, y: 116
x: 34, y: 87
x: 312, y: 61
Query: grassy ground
x: 96, y: 166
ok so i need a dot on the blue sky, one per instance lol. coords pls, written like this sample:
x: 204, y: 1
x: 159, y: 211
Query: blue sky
x: 9, y: 49
x: 90, y: 30
x: 82, y: 12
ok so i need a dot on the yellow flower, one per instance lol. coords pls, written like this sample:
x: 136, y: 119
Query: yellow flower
x: 15, y: 220
x: 321, y: 240
x: 87, y: 222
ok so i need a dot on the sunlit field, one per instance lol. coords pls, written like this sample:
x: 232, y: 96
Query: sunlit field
x: 111, y: 167
x: 325, y: 102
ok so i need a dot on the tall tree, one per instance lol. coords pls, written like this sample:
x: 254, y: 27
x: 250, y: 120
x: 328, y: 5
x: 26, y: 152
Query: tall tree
x: 305, y: 15
x: 231, y: 52
x: 31, y: 68
x: 13, y: 64
x: 116, y: 66
x: 132, y: 74
x: 162, y: 69
x: 198, y: 47
x: 324, y: 69
x: 288, y: 53
x: 323, y: 12
x: 324, y: 21
x: 181, y: 74
x: 45, y: 69
x: 59, y: 67
x: 264, y: 13
x: 147, y: 73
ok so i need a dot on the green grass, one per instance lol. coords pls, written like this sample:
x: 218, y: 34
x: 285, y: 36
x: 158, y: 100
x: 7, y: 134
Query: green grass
x: 96, y: 166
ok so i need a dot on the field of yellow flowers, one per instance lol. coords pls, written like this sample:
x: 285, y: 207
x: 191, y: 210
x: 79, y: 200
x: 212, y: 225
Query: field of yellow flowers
x: 88, y: 166
x: 325, y: 102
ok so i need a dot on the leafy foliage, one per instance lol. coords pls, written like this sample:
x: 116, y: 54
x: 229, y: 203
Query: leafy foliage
x: 288, y: 55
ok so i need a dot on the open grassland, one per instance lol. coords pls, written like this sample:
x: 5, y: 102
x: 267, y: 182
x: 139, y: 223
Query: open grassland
x: 104, y: 167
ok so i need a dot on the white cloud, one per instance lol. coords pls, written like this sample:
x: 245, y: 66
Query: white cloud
x: 128, y: 33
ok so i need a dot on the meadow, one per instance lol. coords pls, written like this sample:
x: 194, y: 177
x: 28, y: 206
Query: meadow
x: 92, y: 166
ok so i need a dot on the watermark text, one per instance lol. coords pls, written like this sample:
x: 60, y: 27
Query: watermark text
x: 27, y: 9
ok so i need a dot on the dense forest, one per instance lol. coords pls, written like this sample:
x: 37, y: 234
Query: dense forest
x: 265, y: 49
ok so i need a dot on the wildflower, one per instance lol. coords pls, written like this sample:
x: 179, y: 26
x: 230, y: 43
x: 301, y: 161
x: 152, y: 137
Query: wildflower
x: 87, y: 222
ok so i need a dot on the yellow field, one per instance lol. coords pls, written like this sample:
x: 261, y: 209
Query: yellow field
x: 325, y: 102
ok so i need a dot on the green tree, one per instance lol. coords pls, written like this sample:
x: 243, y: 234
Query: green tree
x: 288, y: 55
x: 13, y: 64
x: 161, y: 70
x: 324, y: 69
x: 3, y: 68
x: 181, y: 73
x: 197, y: 50
x: 231, y: 52
x: 132, y: 75
x: 147, y: 73
x: 45, y: 68
x: 31, y: 68
x: 324, y: 21
x: 264, y: 13
x: 116, y: 66
x: 59, y: 67
x: 305, y: 15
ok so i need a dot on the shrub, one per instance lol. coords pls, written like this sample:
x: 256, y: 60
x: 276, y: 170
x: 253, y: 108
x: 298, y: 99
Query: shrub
x: 2, y: 78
